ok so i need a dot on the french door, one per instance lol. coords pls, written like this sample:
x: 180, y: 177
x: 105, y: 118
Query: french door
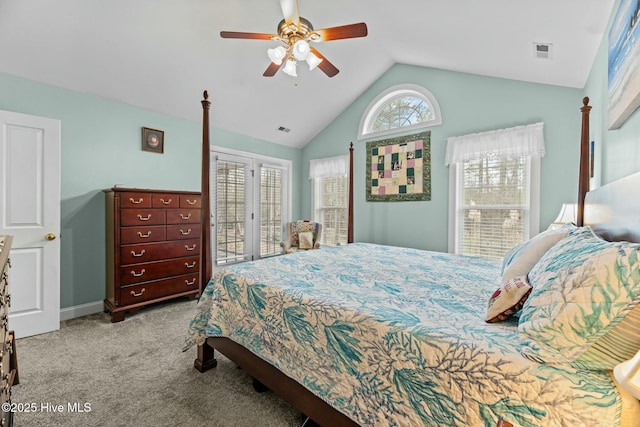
x: 249, y: 206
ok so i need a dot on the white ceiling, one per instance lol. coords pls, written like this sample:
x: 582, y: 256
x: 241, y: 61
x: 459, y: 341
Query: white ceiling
x: 161, y: 54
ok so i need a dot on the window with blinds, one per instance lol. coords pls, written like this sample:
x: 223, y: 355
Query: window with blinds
x: 270, y: 210
x: 493, y: 206
x: 331, y: 208
x: 230, y: 214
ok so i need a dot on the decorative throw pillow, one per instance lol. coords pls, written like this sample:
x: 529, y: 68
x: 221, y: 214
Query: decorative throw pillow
x: 583, y: 290
x: 521, y: 259
x: 305, y: 240
x: 508, y: 300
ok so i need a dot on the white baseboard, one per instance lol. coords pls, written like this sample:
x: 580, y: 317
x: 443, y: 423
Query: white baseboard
x: 81, y: 310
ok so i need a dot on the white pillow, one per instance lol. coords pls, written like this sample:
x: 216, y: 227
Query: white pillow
x: 520, y: 260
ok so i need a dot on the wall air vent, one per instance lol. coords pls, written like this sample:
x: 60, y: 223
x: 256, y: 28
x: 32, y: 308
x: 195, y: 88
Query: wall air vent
x: 284, y: 129
x: 543, y: 50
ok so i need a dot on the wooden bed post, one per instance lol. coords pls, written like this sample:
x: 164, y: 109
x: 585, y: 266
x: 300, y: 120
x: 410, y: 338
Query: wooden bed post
x: 205, y: 359
x: 583, y: 177
x: 350, y: 214
x: 205, y: 240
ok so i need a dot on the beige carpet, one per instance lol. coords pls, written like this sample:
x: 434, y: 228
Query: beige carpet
x: 133, y: 373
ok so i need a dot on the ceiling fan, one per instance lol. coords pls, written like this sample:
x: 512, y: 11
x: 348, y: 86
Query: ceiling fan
x: 295, y: 33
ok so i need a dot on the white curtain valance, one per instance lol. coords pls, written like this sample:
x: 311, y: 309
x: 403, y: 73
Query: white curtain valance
x: 512, y: 142
x: 330, y: 166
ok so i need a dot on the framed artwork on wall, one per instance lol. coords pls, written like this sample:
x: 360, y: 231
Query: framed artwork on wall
x: 153, y: 140
x: 399, y: 169
x: 624, y: 63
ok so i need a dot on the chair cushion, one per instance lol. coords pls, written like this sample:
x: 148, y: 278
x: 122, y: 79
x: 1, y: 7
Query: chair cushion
x: 305, y: 240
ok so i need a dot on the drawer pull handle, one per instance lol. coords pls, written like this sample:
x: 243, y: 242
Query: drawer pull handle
x: 134, y: 274
x: 193, y: 264
x: 189, y: 283
x: 137, y: 295
x: 184, y: 233
x: 185, y: 216
x: 166, y: 202
x: 190, y: 248
x: 136, y: 202
x: 144, y: 236
x: 144, y: 219
x: 137, y: 255
x: 192, y: 202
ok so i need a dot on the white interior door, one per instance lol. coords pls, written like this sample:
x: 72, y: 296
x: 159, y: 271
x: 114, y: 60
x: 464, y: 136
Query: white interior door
x: 30, y: 211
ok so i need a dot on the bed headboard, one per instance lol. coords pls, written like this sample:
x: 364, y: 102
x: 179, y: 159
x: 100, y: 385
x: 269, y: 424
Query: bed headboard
x: 613, y: 210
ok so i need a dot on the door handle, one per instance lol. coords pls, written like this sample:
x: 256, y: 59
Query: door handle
x: 50, y: 236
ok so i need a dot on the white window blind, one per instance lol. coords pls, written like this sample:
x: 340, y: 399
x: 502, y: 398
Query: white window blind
x: 330, y: 198
x: 231, y: 202
x: 271, y: 218
x: 494, y: 191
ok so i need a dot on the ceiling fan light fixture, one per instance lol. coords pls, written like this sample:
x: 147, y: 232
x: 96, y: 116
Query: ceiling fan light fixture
x: 290, y: 68
x: 313, y: 61
x: 277, y: 54
x: 301, y: 50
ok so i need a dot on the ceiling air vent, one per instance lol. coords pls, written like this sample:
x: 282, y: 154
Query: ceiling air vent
x: 284, y: 129
x: 543, y: 50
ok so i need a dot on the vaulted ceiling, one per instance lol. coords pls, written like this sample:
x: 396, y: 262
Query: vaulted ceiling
x: 161, y: 54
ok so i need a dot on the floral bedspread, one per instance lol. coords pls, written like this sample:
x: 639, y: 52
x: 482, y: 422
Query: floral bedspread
x: 396, y: 337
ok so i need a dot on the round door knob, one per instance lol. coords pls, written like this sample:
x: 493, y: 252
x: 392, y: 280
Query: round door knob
x: 50, y: 236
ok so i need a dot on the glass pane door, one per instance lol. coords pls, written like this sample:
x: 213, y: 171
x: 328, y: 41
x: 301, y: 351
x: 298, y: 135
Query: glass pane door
x: 232, y: 210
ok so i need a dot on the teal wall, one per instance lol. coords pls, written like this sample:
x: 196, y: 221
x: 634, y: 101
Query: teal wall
x: 100, y: 147
x: 617, y: 151
x: 468, y: 103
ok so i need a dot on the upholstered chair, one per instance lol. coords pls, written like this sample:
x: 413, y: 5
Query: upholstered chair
x: 301, y: 235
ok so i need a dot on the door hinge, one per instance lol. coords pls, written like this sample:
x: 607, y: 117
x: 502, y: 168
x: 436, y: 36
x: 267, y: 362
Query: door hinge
x: 252, y: 216
x: 253, y: 173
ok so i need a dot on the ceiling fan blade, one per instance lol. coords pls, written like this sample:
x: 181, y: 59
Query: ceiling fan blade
x: 241, y: 35
x: 290, y: 12
x: 327, y: 67
x: 272, y: 69
x: 343, y: 32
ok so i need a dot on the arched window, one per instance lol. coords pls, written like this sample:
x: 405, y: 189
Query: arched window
x: 398, y: 109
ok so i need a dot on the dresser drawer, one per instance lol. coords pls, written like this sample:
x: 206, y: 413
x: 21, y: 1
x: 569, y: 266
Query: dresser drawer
x: 183, y: 216
x: 159, y: 288
x: 135, y: 200
x: 186, y: 231
x: 142, y: 234
x: 165, y: 200
x: 134, y: 254
x: 188, y: 201
x: 136, y: 273
x: 133, y: 217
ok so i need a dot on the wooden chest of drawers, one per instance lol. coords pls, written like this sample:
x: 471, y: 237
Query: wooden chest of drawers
x: 8, y: 357
x: 153, y: 247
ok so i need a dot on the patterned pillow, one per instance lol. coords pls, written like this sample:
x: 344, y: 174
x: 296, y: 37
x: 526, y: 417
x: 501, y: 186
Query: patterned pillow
x: 508, y: 299
x: 305, y: 240
x: 521, y: 259
x: 583, y: 289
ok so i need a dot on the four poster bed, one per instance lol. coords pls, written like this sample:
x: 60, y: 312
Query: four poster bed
x: 367, y: 334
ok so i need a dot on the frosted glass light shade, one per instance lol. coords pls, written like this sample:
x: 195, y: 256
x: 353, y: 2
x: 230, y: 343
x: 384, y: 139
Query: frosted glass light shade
x: 313, y: 61
x: 290, y: 68
x: 277, y: 54
x: 628, y: 375
x: 301, y: 50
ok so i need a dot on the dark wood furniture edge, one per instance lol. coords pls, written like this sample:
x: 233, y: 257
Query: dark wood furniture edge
x: 285, y: 387
x: 584, y: 172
